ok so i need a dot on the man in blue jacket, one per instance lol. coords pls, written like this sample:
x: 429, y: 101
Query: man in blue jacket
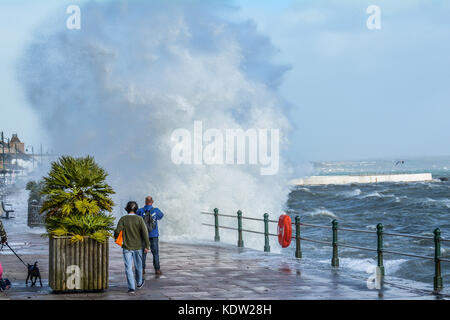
x: 153, y: 234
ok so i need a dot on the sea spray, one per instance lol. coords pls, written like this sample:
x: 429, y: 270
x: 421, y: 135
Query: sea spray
x: 136, y: 71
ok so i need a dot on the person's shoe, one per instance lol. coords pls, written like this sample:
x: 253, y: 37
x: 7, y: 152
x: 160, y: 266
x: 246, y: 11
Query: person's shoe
x: 158, y: 272
x: 142, y: 284
x: 131, y: 291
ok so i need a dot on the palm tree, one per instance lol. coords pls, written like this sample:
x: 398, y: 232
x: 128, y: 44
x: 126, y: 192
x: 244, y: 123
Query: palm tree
x: 77, y: 199
x: 35, y: 188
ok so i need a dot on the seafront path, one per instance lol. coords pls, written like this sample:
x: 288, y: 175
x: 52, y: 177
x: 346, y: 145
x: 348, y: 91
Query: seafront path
x: 202, y: 271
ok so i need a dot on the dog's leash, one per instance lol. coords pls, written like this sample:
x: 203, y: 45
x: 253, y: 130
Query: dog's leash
x: 15, y: 254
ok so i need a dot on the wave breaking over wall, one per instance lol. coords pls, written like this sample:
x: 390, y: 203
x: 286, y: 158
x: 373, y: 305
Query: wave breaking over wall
x: 136, y: 71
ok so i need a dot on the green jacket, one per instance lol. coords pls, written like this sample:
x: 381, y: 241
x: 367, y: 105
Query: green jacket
x: 135, y: 234
x: 2, y: 232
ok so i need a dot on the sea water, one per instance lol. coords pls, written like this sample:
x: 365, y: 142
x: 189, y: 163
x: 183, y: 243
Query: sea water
x: 409, y: 208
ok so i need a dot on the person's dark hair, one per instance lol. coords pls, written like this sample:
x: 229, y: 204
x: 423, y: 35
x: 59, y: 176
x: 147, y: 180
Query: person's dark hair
x: 131, y: 207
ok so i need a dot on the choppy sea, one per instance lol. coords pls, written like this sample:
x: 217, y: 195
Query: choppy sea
x: 407, y: 208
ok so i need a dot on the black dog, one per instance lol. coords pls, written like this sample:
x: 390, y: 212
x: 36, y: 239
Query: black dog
x: 33, y: 274
x: 4, y: 284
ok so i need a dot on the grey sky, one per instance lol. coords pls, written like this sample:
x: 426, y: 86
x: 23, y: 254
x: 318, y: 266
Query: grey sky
x: 357, y: 93
x: 353, y: 92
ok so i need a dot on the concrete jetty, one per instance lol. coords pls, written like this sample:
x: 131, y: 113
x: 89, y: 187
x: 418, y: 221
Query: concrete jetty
x: 206, y: 271
x: 348, y: 179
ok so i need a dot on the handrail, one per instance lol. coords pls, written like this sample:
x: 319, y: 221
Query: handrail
x: 357, y: 230
x: 314, y: 225
x: 335, y: 244
x: 245, y: 230
x: 231, y: 216
x: 221, y: 215
x: 223, y: 227
x: 254, y: 219
x: 356, y: 247
x: 317, y: 241
x: 329, y: 227
x: 408, y: 236
x: 374, y: 232
x: 408, y: 255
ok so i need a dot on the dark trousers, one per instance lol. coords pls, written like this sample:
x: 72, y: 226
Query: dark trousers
x: 154, y: 248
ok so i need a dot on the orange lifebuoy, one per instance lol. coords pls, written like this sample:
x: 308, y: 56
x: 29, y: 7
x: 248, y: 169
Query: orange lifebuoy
x: 284, y: 230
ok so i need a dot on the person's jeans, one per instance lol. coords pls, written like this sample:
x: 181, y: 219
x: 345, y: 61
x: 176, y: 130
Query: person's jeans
x: 131, y: 257
x: 154, y: 248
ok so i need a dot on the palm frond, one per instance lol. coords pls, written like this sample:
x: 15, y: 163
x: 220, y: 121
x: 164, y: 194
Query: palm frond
x: 77, y: 199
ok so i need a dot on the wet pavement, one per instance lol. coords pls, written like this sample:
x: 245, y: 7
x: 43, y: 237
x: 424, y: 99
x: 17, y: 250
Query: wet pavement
x: 203, y: 271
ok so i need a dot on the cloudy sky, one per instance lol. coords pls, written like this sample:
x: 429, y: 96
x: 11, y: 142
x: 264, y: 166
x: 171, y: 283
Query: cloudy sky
x: 353, y: 93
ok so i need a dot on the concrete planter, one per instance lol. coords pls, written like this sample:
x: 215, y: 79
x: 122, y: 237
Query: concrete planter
x: 35, y: 219
x: 79, y: 266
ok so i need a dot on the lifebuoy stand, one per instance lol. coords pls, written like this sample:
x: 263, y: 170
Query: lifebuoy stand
x: 284, y: 230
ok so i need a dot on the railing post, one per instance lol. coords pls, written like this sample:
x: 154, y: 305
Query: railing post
x: 437, y: 261
x: 240, y: 241
x: 380, y: 248
x: 298, y: 249
x: 216, y: 223
x: 266, y: 233
x: 335, y: 259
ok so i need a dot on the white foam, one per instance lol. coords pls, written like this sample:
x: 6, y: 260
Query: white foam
x: 351, y: 193
x: 378, y: 195
x: 434, y: 202
x: 364, y: 265
x: 372, y: 195
x: 143, y: 72
x: 446, y: 202
x: 323, y: 212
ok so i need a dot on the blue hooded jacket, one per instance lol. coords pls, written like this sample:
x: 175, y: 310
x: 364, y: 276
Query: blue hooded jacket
x: 158, y: 216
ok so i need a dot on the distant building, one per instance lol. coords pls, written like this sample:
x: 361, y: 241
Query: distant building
x: 14, y: 149
x: 15, y: 143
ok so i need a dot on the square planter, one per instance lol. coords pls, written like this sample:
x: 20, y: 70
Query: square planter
x: 35, y: 218
x: 79, y: 266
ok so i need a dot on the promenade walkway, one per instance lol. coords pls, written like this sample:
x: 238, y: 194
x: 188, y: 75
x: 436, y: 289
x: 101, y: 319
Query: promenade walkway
x: 210, y: 271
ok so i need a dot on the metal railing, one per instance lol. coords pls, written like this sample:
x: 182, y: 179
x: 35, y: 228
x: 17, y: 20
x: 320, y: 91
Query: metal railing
x: 437, y: 279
